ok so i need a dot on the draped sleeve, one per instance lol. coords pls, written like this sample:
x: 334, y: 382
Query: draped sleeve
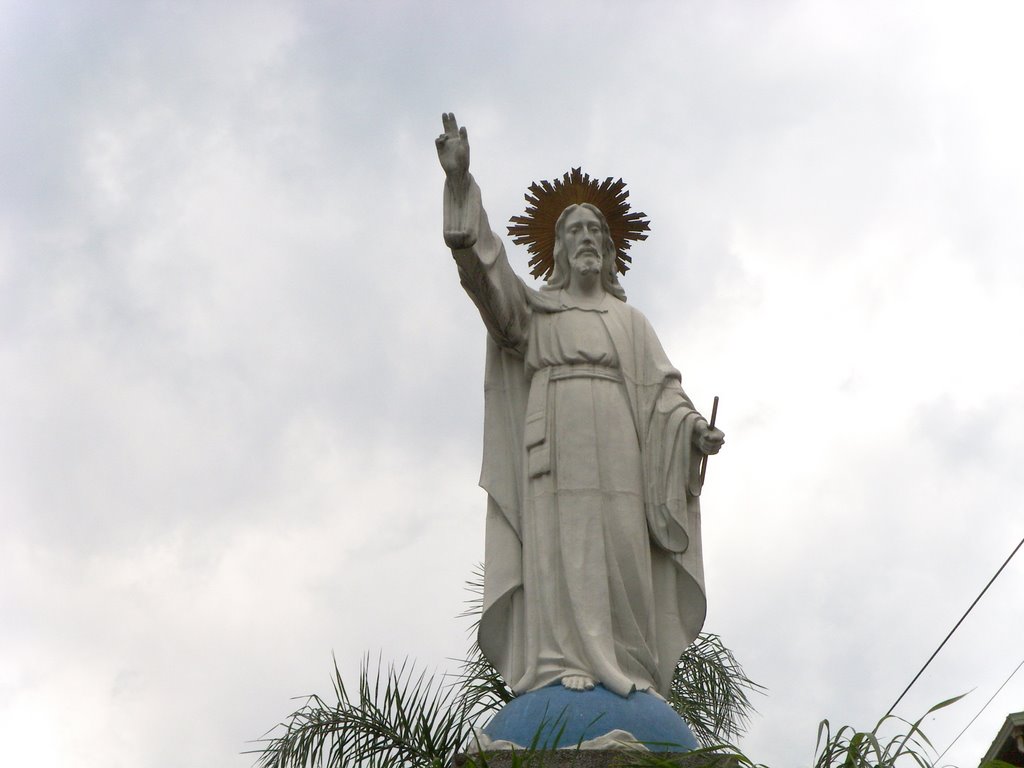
x: 504, y: 303
x: 497, y: 291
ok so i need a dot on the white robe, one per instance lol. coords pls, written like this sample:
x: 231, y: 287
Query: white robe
x: 593, y: 559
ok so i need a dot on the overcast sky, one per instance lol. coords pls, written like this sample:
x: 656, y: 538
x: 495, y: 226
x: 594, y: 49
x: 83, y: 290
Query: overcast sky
x: 241, y: 388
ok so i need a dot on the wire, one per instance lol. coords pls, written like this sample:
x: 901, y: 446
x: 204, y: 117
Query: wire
x: 954, y: 741
x: 954, y: 629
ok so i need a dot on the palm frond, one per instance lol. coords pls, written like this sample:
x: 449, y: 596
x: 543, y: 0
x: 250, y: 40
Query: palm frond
x: 400, y: 718
x: 482, y: 689
x: 475, y: 601
x: 710, y: 690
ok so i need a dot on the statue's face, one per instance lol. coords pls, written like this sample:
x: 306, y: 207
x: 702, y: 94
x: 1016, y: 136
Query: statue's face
x: 584, y: 242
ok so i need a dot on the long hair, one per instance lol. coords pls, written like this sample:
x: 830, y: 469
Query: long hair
x: 560, y: 275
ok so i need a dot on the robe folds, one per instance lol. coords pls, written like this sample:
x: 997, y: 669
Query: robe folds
x: 593, y: 560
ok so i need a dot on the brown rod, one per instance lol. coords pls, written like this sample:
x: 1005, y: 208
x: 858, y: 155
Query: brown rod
x: 704, y: 461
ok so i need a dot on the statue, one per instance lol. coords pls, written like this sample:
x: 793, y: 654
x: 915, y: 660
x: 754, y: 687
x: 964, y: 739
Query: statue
x: 593, y: 569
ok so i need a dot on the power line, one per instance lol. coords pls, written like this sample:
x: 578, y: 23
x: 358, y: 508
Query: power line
x: 954, y: 629
x: 954, y: 741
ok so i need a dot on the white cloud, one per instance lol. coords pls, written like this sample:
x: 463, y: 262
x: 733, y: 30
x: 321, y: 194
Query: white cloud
x: 241, y: 386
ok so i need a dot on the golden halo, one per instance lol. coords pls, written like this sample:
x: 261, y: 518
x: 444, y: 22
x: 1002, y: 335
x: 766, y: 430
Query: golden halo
x: 545, y: 203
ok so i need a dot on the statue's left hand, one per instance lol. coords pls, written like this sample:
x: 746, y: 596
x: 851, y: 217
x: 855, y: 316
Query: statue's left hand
x: 709, y: 440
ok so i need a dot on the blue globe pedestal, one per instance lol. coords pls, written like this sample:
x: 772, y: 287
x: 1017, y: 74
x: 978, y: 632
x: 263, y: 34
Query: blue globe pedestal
x: 556, y: 718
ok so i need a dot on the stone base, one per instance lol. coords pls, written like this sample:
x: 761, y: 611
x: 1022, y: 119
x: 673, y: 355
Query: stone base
x: 593, y: 758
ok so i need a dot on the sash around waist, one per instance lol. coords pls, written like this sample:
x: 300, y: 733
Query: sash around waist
x: 583, y: 371
x: 535, y: 431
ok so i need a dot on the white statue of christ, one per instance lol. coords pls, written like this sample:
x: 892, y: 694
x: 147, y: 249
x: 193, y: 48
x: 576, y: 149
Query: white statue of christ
x: 593, y: 568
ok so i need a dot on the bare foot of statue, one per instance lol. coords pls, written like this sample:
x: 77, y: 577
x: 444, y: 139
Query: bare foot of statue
x: 578, y: 683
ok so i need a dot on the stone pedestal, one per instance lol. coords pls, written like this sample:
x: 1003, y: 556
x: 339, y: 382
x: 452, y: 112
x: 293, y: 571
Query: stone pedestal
x: 593, y: 758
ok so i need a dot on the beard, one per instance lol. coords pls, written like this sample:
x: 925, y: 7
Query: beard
x: 586, y: 266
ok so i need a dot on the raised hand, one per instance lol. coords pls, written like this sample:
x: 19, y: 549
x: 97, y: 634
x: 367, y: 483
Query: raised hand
x: 453, y: 149
x: 453, y: 152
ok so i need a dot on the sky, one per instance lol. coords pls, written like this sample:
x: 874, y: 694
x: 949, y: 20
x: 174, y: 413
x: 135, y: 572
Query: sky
x: 241, y: 388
